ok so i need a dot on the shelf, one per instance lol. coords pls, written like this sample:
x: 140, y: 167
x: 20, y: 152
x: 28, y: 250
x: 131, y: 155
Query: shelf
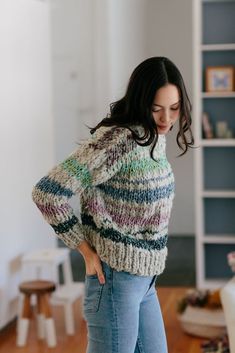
x: 218, y: 239
x: 213, y: 284
x: 220, y: 47
x: 214, y: 45
x: 218, y: 194
x: 221, y: 1
x: 217, y: 142
x: 218, y: 94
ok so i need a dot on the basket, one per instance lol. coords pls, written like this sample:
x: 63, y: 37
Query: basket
x: 203, y: 322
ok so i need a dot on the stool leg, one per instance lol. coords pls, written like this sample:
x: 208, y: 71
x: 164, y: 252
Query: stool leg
x: 23, y: 325
x: 40, y: 318
x: 49, y: 322
x: 19, y: 310
x: 69, y: 319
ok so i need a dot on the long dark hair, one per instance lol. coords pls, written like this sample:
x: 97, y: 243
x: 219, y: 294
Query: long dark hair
x: 136, y: 105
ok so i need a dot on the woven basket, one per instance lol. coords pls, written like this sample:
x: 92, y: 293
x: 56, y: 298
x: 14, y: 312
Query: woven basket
x: 203, y: 322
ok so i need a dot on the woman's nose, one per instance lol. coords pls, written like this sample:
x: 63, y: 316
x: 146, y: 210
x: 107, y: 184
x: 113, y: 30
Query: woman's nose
x: 165, y: 117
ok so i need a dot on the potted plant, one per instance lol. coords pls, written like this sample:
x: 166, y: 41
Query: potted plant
x: 200, y: 313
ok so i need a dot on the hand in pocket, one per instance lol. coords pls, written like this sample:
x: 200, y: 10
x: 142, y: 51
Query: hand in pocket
x: 94, y: 266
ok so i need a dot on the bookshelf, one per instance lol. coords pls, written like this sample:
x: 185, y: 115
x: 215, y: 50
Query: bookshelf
x: 213, y: 45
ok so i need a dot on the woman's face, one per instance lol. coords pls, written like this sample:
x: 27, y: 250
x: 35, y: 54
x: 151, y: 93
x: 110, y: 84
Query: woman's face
x: 166, y: 107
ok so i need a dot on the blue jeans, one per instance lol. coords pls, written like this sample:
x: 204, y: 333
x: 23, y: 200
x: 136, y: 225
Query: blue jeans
x: 123, y: 315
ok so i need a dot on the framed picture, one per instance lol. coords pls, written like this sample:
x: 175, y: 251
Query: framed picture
x: 220, y: 78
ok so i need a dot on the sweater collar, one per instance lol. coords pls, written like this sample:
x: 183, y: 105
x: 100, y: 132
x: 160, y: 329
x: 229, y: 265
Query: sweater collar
x: 160, y: 148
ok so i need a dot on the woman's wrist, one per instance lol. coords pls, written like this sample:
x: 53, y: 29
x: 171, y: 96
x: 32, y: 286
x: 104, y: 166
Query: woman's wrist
x: 85, y: 249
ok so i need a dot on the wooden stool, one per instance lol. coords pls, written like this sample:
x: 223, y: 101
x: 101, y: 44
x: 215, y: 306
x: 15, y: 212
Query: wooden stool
x: 45, y: 322
x: 46, y: 262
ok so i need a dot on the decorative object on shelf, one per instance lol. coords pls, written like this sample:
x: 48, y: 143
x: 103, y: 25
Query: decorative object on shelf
x: 220, y: 78
x: 229, y: 134
x: 207, y: 127
x: 231, y: 260
x: 217, y: 345
x: 200, y: 313
x: 222, y: 130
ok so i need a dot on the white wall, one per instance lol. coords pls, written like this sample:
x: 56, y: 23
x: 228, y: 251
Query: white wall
x: 26, y: 127
x: 73, y: 72
x: 102, y: 86
x: 127, y: 42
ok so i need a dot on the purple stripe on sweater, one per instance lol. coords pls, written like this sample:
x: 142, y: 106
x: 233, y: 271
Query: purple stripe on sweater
x: 53, y: 211
x: 124, y: 218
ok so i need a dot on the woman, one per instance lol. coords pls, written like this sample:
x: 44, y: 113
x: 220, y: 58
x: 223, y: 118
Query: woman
x: 126, y: 188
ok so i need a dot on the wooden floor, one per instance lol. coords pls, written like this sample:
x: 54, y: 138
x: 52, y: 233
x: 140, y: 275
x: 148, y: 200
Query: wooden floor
x: 178, y: 341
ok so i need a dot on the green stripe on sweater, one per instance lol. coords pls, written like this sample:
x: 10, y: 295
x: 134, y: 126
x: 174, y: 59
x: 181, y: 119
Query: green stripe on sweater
x: 77, y: 170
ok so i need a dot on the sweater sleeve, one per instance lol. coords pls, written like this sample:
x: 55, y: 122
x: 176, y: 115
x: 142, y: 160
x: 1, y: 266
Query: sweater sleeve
x: 95, y: 161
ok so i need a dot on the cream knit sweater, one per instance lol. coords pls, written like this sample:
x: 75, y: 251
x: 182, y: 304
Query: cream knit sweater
x: 125, y: 196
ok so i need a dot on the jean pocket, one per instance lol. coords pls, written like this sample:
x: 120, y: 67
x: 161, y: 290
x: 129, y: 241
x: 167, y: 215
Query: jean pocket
x: 91, y: 276
x: 93, y: 293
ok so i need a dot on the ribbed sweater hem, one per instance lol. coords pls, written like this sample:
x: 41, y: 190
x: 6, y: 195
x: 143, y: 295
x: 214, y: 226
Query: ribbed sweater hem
x: 128, y: 257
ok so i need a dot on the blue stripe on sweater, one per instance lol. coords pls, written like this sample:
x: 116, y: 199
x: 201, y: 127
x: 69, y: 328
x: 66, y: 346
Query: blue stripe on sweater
x: 118, y: 237
x: 139, y: 196
x: 65, y: 226
x: 48, y: 185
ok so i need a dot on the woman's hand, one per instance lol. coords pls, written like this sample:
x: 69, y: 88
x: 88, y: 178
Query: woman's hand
x: 93, y: 266
x: 92, y: 261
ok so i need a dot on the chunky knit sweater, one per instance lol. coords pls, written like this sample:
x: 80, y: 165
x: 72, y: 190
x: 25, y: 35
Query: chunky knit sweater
x: 125, y: 197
